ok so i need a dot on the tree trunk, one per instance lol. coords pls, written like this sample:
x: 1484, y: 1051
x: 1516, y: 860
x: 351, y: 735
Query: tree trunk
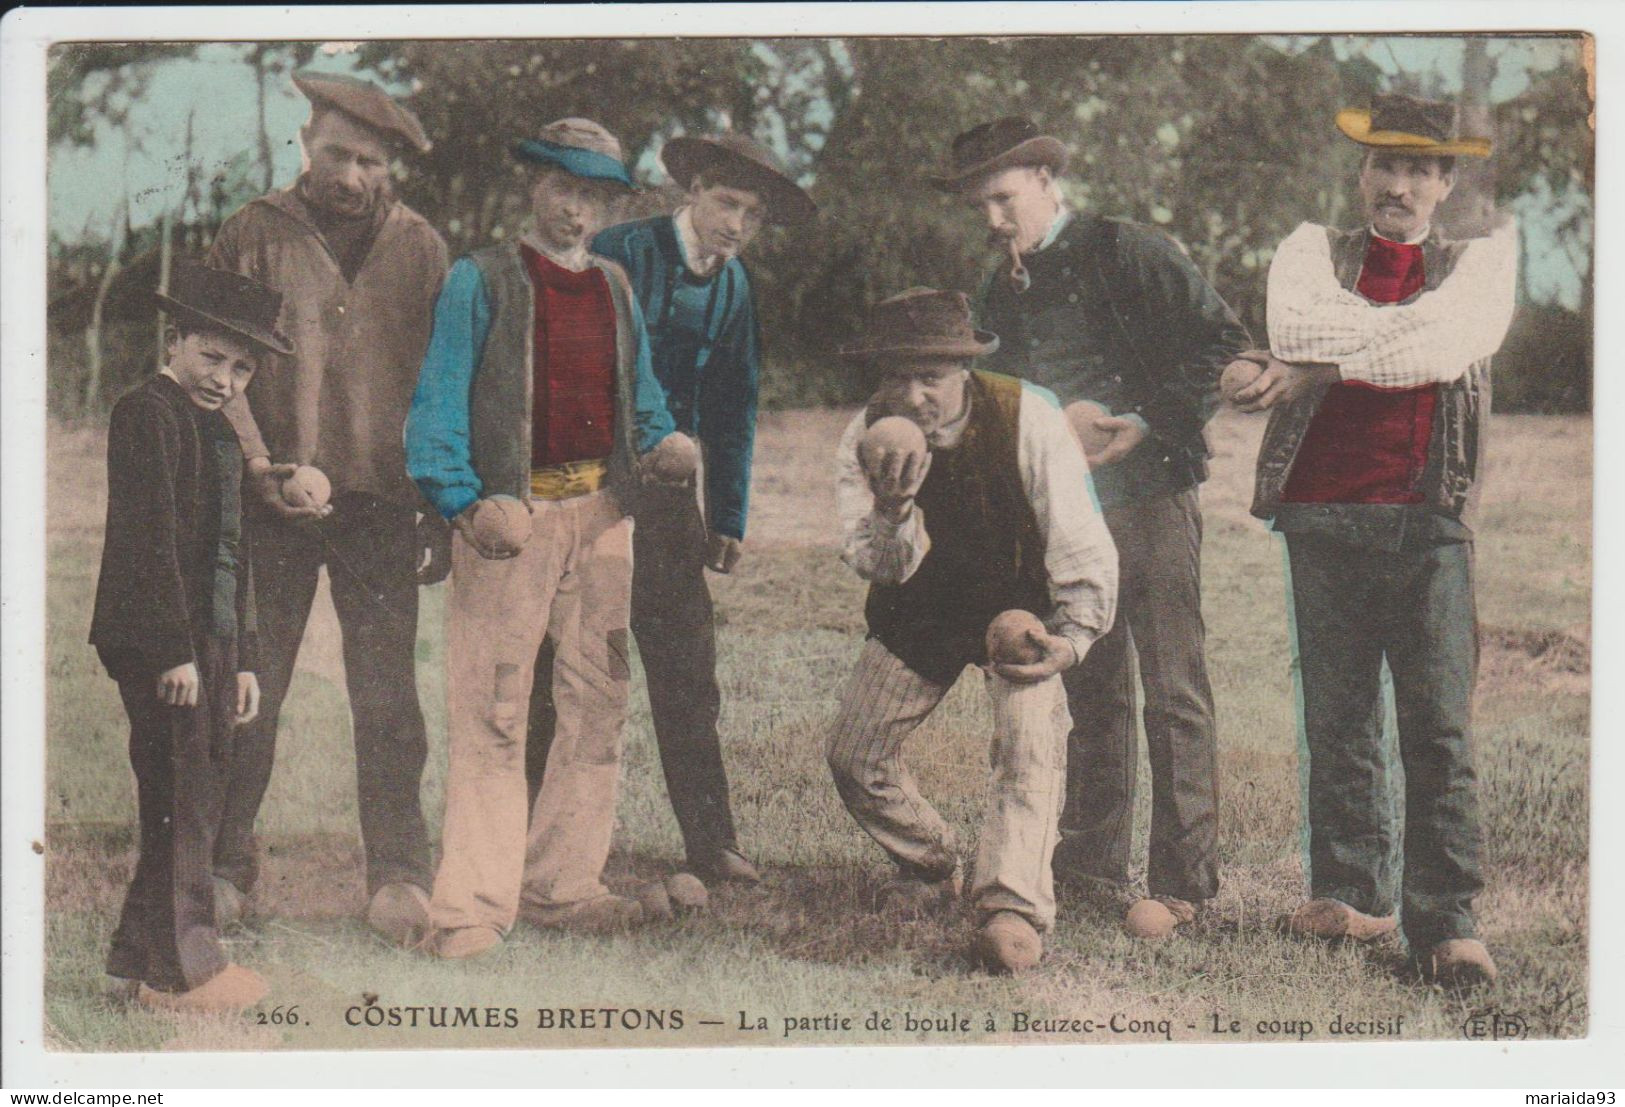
x: 258, y: 56
x: 1469, y: 212
x: 93, y: 333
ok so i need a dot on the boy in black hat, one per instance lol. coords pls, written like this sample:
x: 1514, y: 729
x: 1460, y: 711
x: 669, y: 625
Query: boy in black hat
x: 174, y: 625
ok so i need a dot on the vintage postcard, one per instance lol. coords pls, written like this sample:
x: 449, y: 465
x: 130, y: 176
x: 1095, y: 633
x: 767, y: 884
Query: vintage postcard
x: 812, y: 538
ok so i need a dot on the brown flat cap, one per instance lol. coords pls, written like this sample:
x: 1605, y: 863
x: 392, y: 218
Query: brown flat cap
x: 1410, y: 125
x: 364, y: 102
x: 1002, y: 144
x: 921, y: 322
x: 787, y: 202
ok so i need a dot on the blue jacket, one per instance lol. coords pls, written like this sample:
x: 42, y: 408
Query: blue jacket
x: 707, y: 355
x: 468, y: 433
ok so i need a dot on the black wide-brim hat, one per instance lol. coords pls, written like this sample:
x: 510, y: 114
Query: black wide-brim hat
x: 787, y: 202
x: 921, y: 322
x: 1409, y: 125
x: 1002, y: 144
x: 228, y: 301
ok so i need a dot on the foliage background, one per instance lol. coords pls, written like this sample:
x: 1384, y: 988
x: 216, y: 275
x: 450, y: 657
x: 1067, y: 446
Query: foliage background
x: 1224, y: 141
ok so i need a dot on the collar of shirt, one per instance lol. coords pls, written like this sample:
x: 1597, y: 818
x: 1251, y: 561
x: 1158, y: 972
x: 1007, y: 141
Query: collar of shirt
x: 1063, y: 216
x: 689, y: 242
x: 577, y: 261
x: 947, y: 436
x: 1415, y: 240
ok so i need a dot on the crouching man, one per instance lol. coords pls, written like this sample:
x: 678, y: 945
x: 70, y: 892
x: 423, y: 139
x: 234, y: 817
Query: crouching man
x: 535, y: 401
x: 977, y: 505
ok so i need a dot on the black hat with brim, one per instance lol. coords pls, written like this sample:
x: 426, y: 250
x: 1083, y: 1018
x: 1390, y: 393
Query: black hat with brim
x: 1002, y: 144
x: 224, y: 300
x: 744, y: 160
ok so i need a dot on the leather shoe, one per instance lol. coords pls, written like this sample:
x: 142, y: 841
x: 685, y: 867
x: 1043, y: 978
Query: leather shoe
x: 233, y: 988
x: 228, y: 903
x: 1460, y: 963
x: 1007, y: 943
x: 1333, y: 920
x: 605, y: 914
x: 728, y: 864
x: 465, y: 942
x: 400, y: 912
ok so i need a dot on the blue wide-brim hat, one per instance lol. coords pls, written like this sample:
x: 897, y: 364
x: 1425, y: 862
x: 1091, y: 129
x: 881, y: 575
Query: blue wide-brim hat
x: 580, y: 147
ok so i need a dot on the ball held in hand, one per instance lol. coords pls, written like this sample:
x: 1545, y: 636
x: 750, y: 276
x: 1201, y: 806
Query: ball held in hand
x: 1013, y: 638
x: 675, y: 459
x: 1238, y: 375
x: 1082, y: 415
x: 893, y: 434
x: 307, y: 486
x: 502, y: 523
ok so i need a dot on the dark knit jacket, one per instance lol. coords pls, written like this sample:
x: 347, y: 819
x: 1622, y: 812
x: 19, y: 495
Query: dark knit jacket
x: 167, y: 578
x: 1118, y: 314
x: 1455, y: 450
x: 987, y: 552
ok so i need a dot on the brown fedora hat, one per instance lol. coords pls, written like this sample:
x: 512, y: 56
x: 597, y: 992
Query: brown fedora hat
x: 921, y: 322
x: 1001, y: 144
x: 787, y: 202
x: 1409, y: 125
x: 365, y: 102
x: 226, y: 300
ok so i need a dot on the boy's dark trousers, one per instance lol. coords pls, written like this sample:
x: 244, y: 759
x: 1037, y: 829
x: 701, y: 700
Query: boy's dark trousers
x: 1159, y: 619
x: 166, y: 934
x: 673, y: 620
x: 1354, y: 607
x: 370, y: 547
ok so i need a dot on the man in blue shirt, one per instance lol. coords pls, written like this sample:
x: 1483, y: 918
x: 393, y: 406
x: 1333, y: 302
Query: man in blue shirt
x: 701, y: 315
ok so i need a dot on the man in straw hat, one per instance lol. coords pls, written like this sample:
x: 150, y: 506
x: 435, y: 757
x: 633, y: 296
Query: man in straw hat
x: 1378, y: 390
x: 537, y: 387
x: 1114, y: 314
x: 360, y: 272
x: 177, y: 630
x: 991, y: 514
x: 697, y: 301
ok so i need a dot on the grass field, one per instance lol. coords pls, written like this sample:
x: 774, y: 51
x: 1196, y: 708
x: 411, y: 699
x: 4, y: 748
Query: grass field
x: 807, y: 944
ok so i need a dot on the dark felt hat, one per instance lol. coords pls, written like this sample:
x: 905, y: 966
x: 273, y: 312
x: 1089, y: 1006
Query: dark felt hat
x: 1003, y: 143
x: 1408, y: 125
x: 364, y: 102
x: 921, y: 322
x: 229, y: 301
x: 787, y: 202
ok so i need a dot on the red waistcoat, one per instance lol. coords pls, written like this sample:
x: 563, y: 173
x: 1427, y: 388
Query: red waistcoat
x: 572, y: 363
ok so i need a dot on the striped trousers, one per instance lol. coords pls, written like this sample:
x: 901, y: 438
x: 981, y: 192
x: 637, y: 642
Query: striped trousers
x: 884, y: 703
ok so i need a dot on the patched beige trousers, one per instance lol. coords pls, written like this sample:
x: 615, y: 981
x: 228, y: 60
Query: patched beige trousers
x: 573, y: 583
x: 884, y: 703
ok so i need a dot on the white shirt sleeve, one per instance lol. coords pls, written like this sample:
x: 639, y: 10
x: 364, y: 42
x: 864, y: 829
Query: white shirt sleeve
x: 1431, y: 340
x: 1078, y: 550
x: 877, y: 549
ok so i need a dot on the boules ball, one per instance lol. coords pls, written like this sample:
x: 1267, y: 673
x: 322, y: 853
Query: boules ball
x: 892, y: 434
x: 656, y: 903
x: 307, y: 486
x: 502, y: 523
x: 1009, y: 638
x: 686, y: 892
x: 675, y: 459
x: 1238, y: 375
x: 1149, y: 919
x: 1082, y: 415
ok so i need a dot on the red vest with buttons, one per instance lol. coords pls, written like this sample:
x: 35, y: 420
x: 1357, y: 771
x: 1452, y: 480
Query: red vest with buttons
x: 573, y: 363
x: 1369, y: 445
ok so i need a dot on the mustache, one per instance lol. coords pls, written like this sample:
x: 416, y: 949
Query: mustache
x: 1000, y: 236
x: 1392, y: 201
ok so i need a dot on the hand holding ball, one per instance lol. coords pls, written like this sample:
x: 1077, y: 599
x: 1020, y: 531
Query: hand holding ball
x: 307, y: 487
x: 1082, y: 415
x: 894, y: 457
x: 1016, y: 637
x: 674, y: 460
x: 499, y: 526
x: 1238, y: 375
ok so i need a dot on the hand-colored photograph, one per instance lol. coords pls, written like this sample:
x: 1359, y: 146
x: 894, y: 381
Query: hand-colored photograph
x: 706, y: 542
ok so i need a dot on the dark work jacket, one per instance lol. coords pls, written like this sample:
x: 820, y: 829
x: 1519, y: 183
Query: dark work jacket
x: 987, y: 552
x: 164, y: 564
x: 1455, y: 448
x: 1118, y: 314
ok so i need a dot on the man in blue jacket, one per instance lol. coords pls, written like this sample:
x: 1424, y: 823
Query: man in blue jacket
x: 536, y: 393
x: 697, y: 302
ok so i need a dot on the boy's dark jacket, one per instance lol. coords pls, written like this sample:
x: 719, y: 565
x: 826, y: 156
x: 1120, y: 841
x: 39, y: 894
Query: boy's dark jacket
x: 155, y: 595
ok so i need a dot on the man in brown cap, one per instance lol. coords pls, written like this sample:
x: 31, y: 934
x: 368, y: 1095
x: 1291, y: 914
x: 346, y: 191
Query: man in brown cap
x: 989, y: 512
x: 697, y: 302
x: 1114, y: 314
x: 1378, y: 389
x: 360, y: 272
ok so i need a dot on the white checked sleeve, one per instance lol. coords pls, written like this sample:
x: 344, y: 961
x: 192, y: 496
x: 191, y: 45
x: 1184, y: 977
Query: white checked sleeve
x: 877, y: 549
x: 1078, y: 550
x: 1431, y: 340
